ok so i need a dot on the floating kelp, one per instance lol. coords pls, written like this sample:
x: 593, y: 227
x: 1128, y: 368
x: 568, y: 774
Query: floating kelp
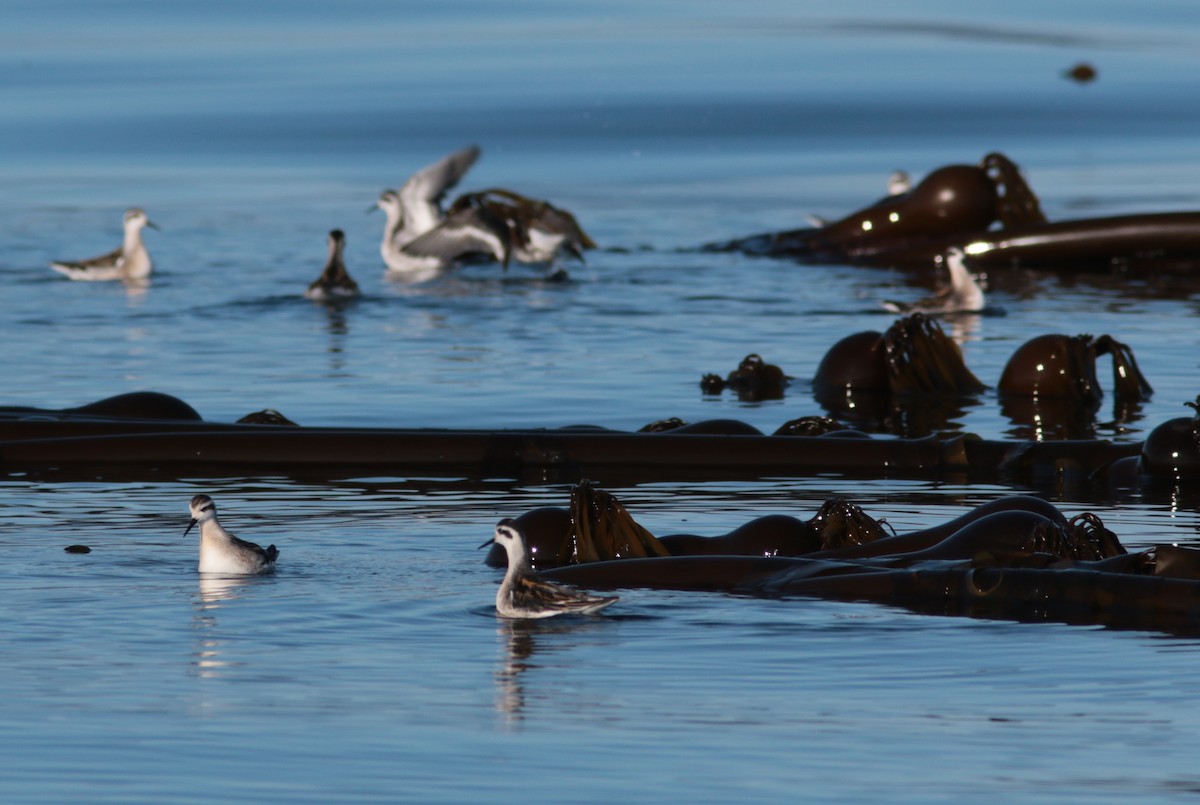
x: 598, y: 528
x: 267, y: 416
x: 838, y: 530
x: 1170, y: 454
x: 922, y: 361
x: 991, y: 213
x: 753, y: 380
x: 658, y: 426
x: 813, y: 426
x: 950, y: 202
x: 1081, y: 73
x: 1049, y: 387
x: 910, y: 379
x: 152, y: 406
x: 1013, y: 563
x: 841, y: 524
x: 67, y: 443
x: 601, y: 529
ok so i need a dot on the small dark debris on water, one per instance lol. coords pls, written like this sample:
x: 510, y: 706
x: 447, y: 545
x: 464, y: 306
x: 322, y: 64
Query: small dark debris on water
x: 712, y: 384
x: 77, y: 549
x: 1082, y: 73
x: 753, y: 380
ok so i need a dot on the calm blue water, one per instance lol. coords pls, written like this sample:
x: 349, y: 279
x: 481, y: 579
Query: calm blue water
x: 371, y: 667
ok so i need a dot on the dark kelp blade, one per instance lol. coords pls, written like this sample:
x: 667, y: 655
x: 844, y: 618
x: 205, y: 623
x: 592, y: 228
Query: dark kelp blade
x: 602, y: 529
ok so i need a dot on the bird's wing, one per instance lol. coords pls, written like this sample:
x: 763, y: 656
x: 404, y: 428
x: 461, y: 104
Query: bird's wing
x: 465, y: 232
x: 422, y: 194
x: 544, y: 595
x: 554, y: 219
x: 266, y: 553
x: 109, y: 259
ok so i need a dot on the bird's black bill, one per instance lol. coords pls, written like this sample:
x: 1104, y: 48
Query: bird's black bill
x: 189, y: 528
x: 489, y: 542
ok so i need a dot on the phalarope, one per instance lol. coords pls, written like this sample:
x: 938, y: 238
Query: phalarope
x: 335, y: 281
x: 523, y: 595
x: 129, y: 261
x: 416, y: 209
x: 898, y: 183
x: 963, y: 295
x: 536, y: 230
x: 464, y: 233
x: 222, y: 552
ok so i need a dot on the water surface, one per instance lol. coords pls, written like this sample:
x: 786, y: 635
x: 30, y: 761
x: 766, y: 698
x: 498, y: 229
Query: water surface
x: 371, y: 667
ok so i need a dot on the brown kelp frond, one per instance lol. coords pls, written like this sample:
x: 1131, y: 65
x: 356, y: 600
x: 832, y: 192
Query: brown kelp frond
x: 1016, y: 203
x: 921, y: 359
x: 1084, y: 537
x: 753, y: 380
x: 601, y: 529
x: 1128, y: 382
x: 841, y: 524
x: 1195, y: 406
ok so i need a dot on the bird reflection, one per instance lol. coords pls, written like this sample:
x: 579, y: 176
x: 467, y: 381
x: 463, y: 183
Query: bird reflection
x: 338, y: 329
x: 522, y: 639
x: 519, y: 646
x: 135, y: 291
x: 215, y: 591
x: 962, y: 327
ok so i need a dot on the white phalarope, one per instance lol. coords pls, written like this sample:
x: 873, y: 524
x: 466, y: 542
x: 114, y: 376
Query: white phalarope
x: 523, y: 595
x: 963, y: 295
x: 335, y: 281
x: 416, y: 209
x: 222, y: 552
x: 129, y: 261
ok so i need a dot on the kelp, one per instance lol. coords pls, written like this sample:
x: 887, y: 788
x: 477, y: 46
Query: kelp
x: 922, y: 360
x: 841, y: 524
x: 1049, y: 385
x: 753, y: 380
x: 809, y: 426
x: 1016, y: 564
x: 1016, y: 203
x: 602, y: 529
x: 910, y: 380
x: 990, y: 212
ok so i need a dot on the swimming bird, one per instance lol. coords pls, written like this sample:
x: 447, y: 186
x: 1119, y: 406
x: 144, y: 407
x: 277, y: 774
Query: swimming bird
x: 416, y: 209
x: 465, y: 234
x: 222, y: 552
x: 963, y: 295
x: 129, y: 261
x: 335, y: 281
x: 523, y: 595
x: 536, y: 230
